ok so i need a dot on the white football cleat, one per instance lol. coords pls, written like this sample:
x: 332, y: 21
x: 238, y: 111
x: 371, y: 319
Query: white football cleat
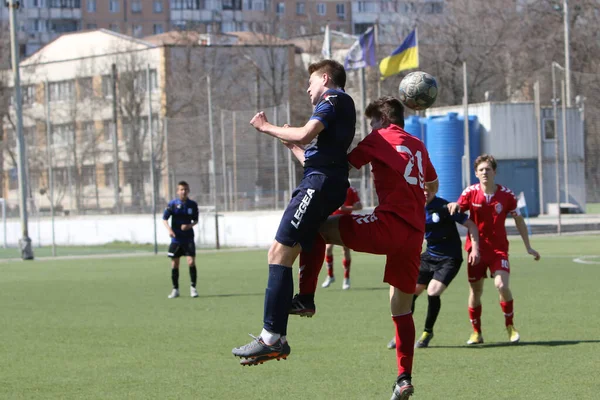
x: 174, y: 293
x: 346, y: 284
x: 328, y: 281
x: 193, y: 292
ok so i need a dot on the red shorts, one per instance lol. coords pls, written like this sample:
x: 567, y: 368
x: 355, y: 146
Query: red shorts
x: 495, y: 261
x: 386, y: 233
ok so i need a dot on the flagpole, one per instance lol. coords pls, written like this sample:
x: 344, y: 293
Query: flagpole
x: 417, y: 42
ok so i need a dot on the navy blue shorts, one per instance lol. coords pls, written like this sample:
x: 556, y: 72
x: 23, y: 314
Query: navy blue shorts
x: 177, y: 250
x: 312, y: 202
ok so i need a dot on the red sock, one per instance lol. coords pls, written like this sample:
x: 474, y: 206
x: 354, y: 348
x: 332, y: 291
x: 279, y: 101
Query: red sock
x: 329, y: 261
x: 405, y: 342
x: 346, y: 264
x: 475, y: 317
x: 507, y: 309
x: 310, y: 266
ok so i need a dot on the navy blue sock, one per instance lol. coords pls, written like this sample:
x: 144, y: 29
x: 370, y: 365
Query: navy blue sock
x: 278, y: 299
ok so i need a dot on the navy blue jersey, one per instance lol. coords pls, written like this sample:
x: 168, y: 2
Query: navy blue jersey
x: 327, y: 152
x: 440, y: 229
x: 181, y: 212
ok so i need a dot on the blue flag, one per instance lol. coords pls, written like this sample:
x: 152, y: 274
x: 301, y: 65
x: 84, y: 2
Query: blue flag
x: 362, y: 52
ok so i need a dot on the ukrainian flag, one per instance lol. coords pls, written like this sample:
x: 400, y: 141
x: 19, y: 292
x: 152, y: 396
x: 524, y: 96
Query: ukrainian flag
x: 404, y: 57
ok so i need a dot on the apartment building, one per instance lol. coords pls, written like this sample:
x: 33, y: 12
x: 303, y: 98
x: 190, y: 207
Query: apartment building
x: 41, y: 21
x: 69, y: 114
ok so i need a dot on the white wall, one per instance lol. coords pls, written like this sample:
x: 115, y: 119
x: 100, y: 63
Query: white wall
x: 241, y: 229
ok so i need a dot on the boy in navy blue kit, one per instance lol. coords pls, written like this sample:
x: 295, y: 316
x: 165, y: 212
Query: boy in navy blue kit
x: 184, y: 215
x: 321, y: 146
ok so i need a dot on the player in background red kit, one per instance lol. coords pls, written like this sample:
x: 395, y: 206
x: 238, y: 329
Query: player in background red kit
x: 352, y: 203
x: 401, y: 171
x: 489, y: 204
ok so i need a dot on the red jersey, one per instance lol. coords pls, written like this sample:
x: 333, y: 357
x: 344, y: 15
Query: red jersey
x: 351, y: 199
x: 401, y: 165
x: 489, y: 214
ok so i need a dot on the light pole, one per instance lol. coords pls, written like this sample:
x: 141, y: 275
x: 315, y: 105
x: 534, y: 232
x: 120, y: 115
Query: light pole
x: 567, y: 55
x: 565, y: 12
x: 556, y: 152
x: 25, y: 241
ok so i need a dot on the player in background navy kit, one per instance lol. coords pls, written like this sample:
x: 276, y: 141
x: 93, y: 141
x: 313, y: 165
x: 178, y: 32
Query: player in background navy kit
x: 321, y: 145
x: 441, y: 260
x: 184, y: 215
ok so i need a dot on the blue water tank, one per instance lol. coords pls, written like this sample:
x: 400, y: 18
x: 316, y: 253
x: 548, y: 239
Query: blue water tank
x: 474, y: 143
x: 413, y: 126
x: 445, y: 142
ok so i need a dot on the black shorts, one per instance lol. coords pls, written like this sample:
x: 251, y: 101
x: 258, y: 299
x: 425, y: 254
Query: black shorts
x: 177, y: 250
x: 315, y: 198
x: 442, y: 269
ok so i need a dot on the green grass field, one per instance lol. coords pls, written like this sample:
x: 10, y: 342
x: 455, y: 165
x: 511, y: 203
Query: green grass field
x: 104, y: 329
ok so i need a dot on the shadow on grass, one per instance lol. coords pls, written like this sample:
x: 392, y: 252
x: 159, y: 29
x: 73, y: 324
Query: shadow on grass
x: 549, y: 343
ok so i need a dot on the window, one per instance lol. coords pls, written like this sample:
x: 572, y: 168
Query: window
x: 107, y: 86
x: 136, y: 6
x: 28, y: 94
x: 64, y: 3
x: 91, y: 27
x: 113, y: 6
x: 139, y: 81
x: 107, y: 130
x: 321, y: 8
x: 88, y: 175
x: 114, y: 27
x: 30, y: 135
x: 186, y: 4
x: 228, y: 26
x: 340, y: 10
x: 158, y: 28
x: 109, y: 174
x: 62, y: 91
x: 137, y: 30
x: 255, y: 5
x: 88, y: 132
x: 38, y: 25
x: 549, y: 131
x: 280, y: 9
x: 62, y: 135
x: 91, y: 6
x: 157, y: 6
x: 232, y: 5
x: 86, y: 87
x: 300, y: 8
x: 433, y: 8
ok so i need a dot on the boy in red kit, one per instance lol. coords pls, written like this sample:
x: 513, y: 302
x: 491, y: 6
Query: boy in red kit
x: 489, y: 204
x: 352, y: 203
x: 401, y: 171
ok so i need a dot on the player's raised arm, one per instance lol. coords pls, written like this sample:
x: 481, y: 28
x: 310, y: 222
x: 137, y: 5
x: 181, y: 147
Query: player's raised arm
x: 302, y: 135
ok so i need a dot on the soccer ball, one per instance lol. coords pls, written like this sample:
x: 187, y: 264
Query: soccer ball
x: 418, y: 90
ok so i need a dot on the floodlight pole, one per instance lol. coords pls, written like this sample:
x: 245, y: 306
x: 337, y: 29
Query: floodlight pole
x: 556, y: 152
x: 567, y: 52
x: 25, y: 241
x: 152, y: 166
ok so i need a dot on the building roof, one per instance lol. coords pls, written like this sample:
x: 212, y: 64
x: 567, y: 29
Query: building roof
x: 77, y: 45
x: 179, y: 38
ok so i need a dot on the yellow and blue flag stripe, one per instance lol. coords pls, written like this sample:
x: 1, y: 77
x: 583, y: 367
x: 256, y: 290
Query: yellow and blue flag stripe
x: 406, y: 56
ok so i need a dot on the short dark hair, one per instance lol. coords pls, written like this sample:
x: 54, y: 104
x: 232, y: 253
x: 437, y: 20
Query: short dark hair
x: 333, y: 69
x: 183, y: 183
x: 485, y: 158
x: 389, y: 107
